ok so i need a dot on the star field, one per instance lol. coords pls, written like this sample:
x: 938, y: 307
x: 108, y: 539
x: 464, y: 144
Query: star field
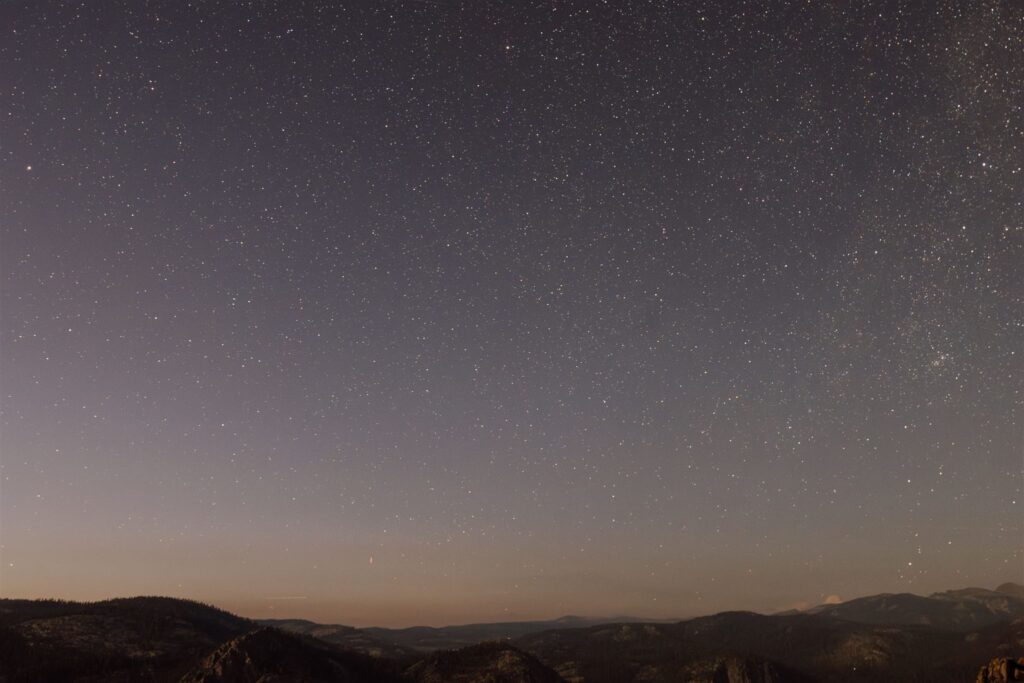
x: 546, y: 307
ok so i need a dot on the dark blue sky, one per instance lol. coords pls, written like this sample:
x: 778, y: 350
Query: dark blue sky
x: 437, y: 311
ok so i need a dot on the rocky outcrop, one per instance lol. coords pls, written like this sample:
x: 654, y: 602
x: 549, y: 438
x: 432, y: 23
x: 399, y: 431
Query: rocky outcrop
x: 484, y: 663
x: 1001, y: 670
x: 735, y: 670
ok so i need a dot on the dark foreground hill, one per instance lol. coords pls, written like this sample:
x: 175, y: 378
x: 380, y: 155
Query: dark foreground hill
x: 145, y: 638
x: 269, y: 655
x: 803, y: 647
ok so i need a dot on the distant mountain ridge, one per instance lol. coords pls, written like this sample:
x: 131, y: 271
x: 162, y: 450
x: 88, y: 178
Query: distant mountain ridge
x: 957, y: 610
x: 429, y: 638
x: 360, y: 640
x: 403, y: 641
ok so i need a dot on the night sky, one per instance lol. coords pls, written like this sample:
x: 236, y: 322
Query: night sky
x: 438, y: 311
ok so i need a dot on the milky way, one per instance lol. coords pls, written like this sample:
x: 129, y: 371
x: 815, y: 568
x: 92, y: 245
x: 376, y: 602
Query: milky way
x: 421, y: 312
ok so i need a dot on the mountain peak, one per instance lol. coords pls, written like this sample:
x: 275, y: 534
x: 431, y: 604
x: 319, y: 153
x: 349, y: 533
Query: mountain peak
x: 1010, y: 588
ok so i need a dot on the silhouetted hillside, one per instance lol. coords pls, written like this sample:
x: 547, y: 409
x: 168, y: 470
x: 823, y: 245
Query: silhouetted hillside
x: 269, y: 654
x: 146, y: 638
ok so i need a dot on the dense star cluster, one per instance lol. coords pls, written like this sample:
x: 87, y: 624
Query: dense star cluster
x: 439, y: 310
